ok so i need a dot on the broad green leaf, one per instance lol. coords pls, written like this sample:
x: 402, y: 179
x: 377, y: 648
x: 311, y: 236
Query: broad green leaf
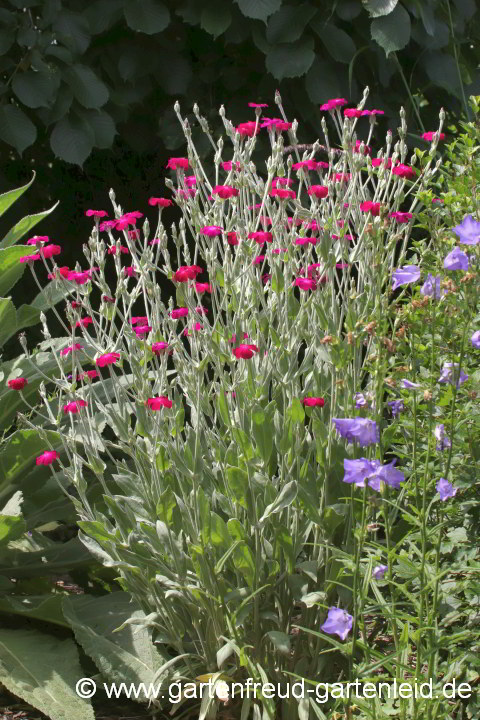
x: 218, y: 531
x: 53, y: 559
x: 43, y: 670
x: 73, y: 29
x: 102, y: 14
x: 47, y: 608
x: 87, y: 88
x: 48, y: 297
x: 338, y: 43
x: 36, y: 89
x: 7, y: 199
x: 287, y: 25
x: 19, y: 453
x: 174, y: 75
x: 16, y: 129
x: 348, y: 9
x: 280, y: 640
x: 11, y: 528
x: 215, y: 18
x: 147, y: 16
x: 23, y: 227
x: 377, y: 8
x: 223, y: 407
x: 258, y: 9
x: 236, y: 529
x: 283, y: 500
x: 11, y: 269
x: 466, y: 8
x: 7, y: 38
x: 291, y: 60
x: 128, y: 655
x: 442, y: 70
x: 8, y: 320
x: 244, y: 563
x: 321, y: 83
x: 296, y: 411
x: 392, y: 32
x: 72, y: 140
x: 103, y: 127
x: 237, y: 480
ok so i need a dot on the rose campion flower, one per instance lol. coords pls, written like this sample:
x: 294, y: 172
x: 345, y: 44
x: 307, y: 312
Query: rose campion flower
x: 38, y: 238
x: 305, y: 284
x: 456, y: 260
x: 318, y: 191
x: 261, y: 236
x: 338, y: 622
x: 428, y: 136
x: 313, y: 401
x: 47, y: 457
x: 379, y: 571
x: 225, y: 191
x: 211, y: 230
x: 203, y: 287
x: 247, y: 129
x: 187, y: 272
x: 17, y: 383
x: 334, y: 103
x: 377, y: 162
x: 447, y: 374
x: 258, y: 260
x: 257, y: 105
x: 405, y: 275
x: 107, y: 359
x: 445, y: 489
x: 397, y: 406
x: 160, y: 348
x: 178, y: 313
x: 283, y: 193
x: 443, y: 441
x: 306, y: 165
x: 468, y: 231
x: 157, y: 403
x: 245, y: 351
x: 352, y: 113
x: 96, y: 213
x: 160, y: 202
x: 428, y: 290
x: 372, y: 471
x: 70, y: 349
x: 475, y: 339
x: 142, y: 330
x: 227, y: 166
x: 367, y: 149
x: 73, y: 407
x: 361, y: 430
x: 372, y: 207
x: 401, y: 217
x: 113, y: 250
x: 175, y: 163
x: 84, y: 322
x: 404, y: 171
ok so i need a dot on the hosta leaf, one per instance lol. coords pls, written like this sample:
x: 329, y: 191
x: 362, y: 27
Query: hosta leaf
x: 36, y: 89
x: 377, y: 8
x: 392, y: 32
x: 258, y: 9
x: 86, y: 86
x: 291, y: 60
x: 72, y: 140
x: 16, y: 129
x: 288, y: 24
x: 43, y: 671
x: 148, y: 16
x: 215, y: 18
x: 7, y: 199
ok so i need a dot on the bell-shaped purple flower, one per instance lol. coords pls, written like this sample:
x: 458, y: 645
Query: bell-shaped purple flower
x: 405, y: 275
x: 360, y: 401
x: 408, y: 384
x: 476, y: 339
x: 445, y: 489
x: 361, y: 430
x: 379, y: 571
x: 448, y: 372
x: 431, y: 286
x: 468, y: 231
x: 338, y: 622
x: 397, y: 406
x: 456, y: 260
x: 443, y: 441
x: 372, y: 471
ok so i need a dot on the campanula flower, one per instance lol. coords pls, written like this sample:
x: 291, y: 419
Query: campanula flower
x: 379, y: 571
x: 397, y: 406
x: 428, y: 290
x: 443, y: 441
x: 405, y: 275
x: 361, y: 430
x: 445, y: 489
x: 468, y: 231
x: 456, y: 260
x: 475, y: 339
x: 372, y: 471
x: 338, y: 622
x: 447, y: 374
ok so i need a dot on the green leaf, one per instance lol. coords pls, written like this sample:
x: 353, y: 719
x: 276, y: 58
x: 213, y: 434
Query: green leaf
x: 11, y: 269
x: 377, y: 8
x: 50, y: 295
x: 147, y: 16
x: 284, y: 499
x: 237, y: 480
x: 102, y: 14
x: 244, y: 563
x: 296, y: 411
x: 22, y: 228
x: 7, y: 38
x: 86, y: 86
x: 280, y: 640
x: 19, y: 453
x: 43, y: 670
x: 72, y: 140
x: 8, y: 320
x: 392, y: 32
x: 466, y: 8
x: 348, y: 9
x: 258, y: 9
x: 128, y: 655
x: 103, y: 127
x: 322, y: 82
x: 288, y: 61
x: 442, y: 70
x: 16, y: 129
x: 174, y: 74
x: 53, y: 559
x: 73, y: 30
x: 36, y: 89
x: 288, y: 24
x: 47, y: 608
x: 215, y: 18
x: 338, y: 43
x: 7, y: 199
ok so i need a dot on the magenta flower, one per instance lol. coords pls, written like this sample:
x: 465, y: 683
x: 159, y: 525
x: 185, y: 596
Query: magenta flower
x: 376, y: 162
x: 227, y: 166
x: 160, y: 348
x: 313, y: 401
x: 338, y: 623
x: 257, y: 105
x: 73, y: 407
x: 47, y: 457
x: 17, y: 383
x: 107, y: 359
x: 232, y: 238
x: 445, y: 489
x: 178, y: 313
x: 96, y: 213
x: 261, y: 236
x: 475, y: 339
x: 160, y: 202
x: 306, y: 164
x: 404, y: 171
x: 203, y: 287
x: 318, y: 191
x: 401, y: 217
x: 352, y: 113
x: 443, y: 441
x: 283, y: 193
x: 38, y: 238
x: 447, y: 374
x: 379, y: 571
x: 70, y: 349
x: 361, y: 430
x: 428, y: 290
x: 372, y: 471
x: 372, y: 207
x: 258, y: 260
x: 187, y: 272
x: 211, y: 230
x: 431, y: 134
x: 225, y: 191
x: 468, y: 231
x: 142, y: 330
x: 305, y: 284
x: 247, y: 129
x: 245, y: 351
x: 175, y: 163
x: 156, y: 403
x: 333, y: 103
x: 405, y: 275
x: 456, y: 260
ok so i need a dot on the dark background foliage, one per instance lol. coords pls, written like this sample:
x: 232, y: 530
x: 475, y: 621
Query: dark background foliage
x: 87, y: 88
